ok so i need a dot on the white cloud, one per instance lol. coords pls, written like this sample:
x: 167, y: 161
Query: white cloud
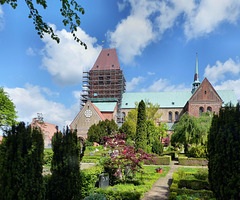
x: 163, y: 85
x: 230, y: 85
x: 1, y: 18
x: 67, y: 61
x: 35, y: 102
x: 209, y: 14
x: 150, y: 19
x: 133, y: 83
x: 30, y: 52
x: 134, y: 33
x: 151, y: 73
x: 218, y: 72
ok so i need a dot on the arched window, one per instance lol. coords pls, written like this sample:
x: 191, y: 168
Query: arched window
x: 176, y: 116
x: 123, y: 116
x: 170, y: 116
x: 209, y: 109
x: 200, y: 111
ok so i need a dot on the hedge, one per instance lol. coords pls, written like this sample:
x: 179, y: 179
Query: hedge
x: 189, y: 187
x: 194, y: 184
x: 192, y: 161
x: 159, y: 160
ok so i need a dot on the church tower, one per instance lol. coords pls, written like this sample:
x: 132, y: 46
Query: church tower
x: 196, y: 81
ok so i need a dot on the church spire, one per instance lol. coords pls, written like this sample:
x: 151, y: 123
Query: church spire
x: 196, y: 81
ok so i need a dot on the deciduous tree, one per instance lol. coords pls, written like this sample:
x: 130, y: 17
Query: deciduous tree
x: 69, y: 10
x: 7, y: 110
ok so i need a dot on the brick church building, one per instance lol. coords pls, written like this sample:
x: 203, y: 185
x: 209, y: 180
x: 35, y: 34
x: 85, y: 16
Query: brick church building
x: 104, y: 96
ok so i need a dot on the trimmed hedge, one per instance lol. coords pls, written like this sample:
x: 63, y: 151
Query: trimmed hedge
x: 194, y: 184
x: 192, y: 161
x: 159, y: 160
x: 89, y: 160
x: 189, y: 187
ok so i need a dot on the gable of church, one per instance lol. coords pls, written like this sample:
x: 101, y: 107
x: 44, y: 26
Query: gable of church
x: 205, y: 93
x: 204, y: 99
x: 87, y: 116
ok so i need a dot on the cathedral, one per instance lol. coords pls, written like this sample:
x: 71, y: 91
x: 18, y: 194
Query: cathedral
x: 104, y: 97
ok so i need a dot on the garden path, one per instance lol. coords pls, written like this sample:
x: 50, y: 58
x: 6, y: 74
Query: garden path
x: 160, y: 189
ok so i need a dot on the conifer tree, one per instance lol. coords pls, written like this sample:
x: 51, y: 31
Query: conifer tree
x: 65, y: 181
x: 224, y: 153
x: 141, y: 135
x: 21, y: 160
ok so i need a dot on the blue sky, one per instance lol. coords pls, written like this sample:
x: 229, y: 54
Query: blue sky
x: 156, y: 42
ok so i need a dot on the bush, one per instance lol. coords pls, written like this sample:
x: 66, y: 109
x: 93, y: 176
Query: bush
x: 89, y: 177
x: 201, y: 174
x: 47, y: 159
x: 159, y: 160
x: 194, y: 184
x: 192, y: 161
x: 157, y: 147
x: 198, y: 152
x: 95, y: 197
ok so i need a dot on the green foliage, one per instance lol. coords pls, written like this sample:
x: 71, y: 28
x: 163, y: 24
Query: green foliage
x: 198, y: 152
x: 103, y: 128
x: 89, y: 177
x: 157, y: 147
x: 141, y: 137
x: 159, y: 160
x: 201, y: 174
x: 65, y: 181
x: 7, y: 110
x: 21, y: 160
x: 69, y: 11
x: 47, y: 159
x: 129, y: 126
x: 132, y: 191
x: 204, y: 122
x: 192, y: 161
x: 95, y: 197
x: 224, y: 153
x: 186, y: 131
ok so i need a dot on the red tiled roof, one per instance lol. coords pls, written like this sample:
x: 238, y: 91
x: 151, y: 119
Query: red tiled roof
x: 107, y: 60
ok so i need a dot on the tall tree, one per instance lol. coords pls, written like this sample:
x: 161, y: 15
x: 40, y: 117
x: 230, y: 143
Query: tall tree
x: 69, y: 10
x: 21, y: 161
x: 186, y: 131
x: 65, y: 180
x: 7, y: 110
x: 224, y: 153
x: 204, y: 122
x: 103, y: 128
x: 141, y: 135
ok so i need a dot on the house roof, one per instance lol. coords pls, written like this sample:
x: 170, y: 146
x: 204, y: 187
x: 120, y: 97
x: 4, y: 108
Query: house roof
x: 171, y: 99
x: 105, y: 106
x: 107, y: 60
x: 45, y: 127
x: 228, y: 96
x: 164, y: 99
x: 98, y: 111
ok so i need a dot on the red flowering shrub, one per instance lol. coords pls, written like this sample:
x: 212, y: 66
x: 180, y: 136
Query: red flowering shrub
x: 127, y: 157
